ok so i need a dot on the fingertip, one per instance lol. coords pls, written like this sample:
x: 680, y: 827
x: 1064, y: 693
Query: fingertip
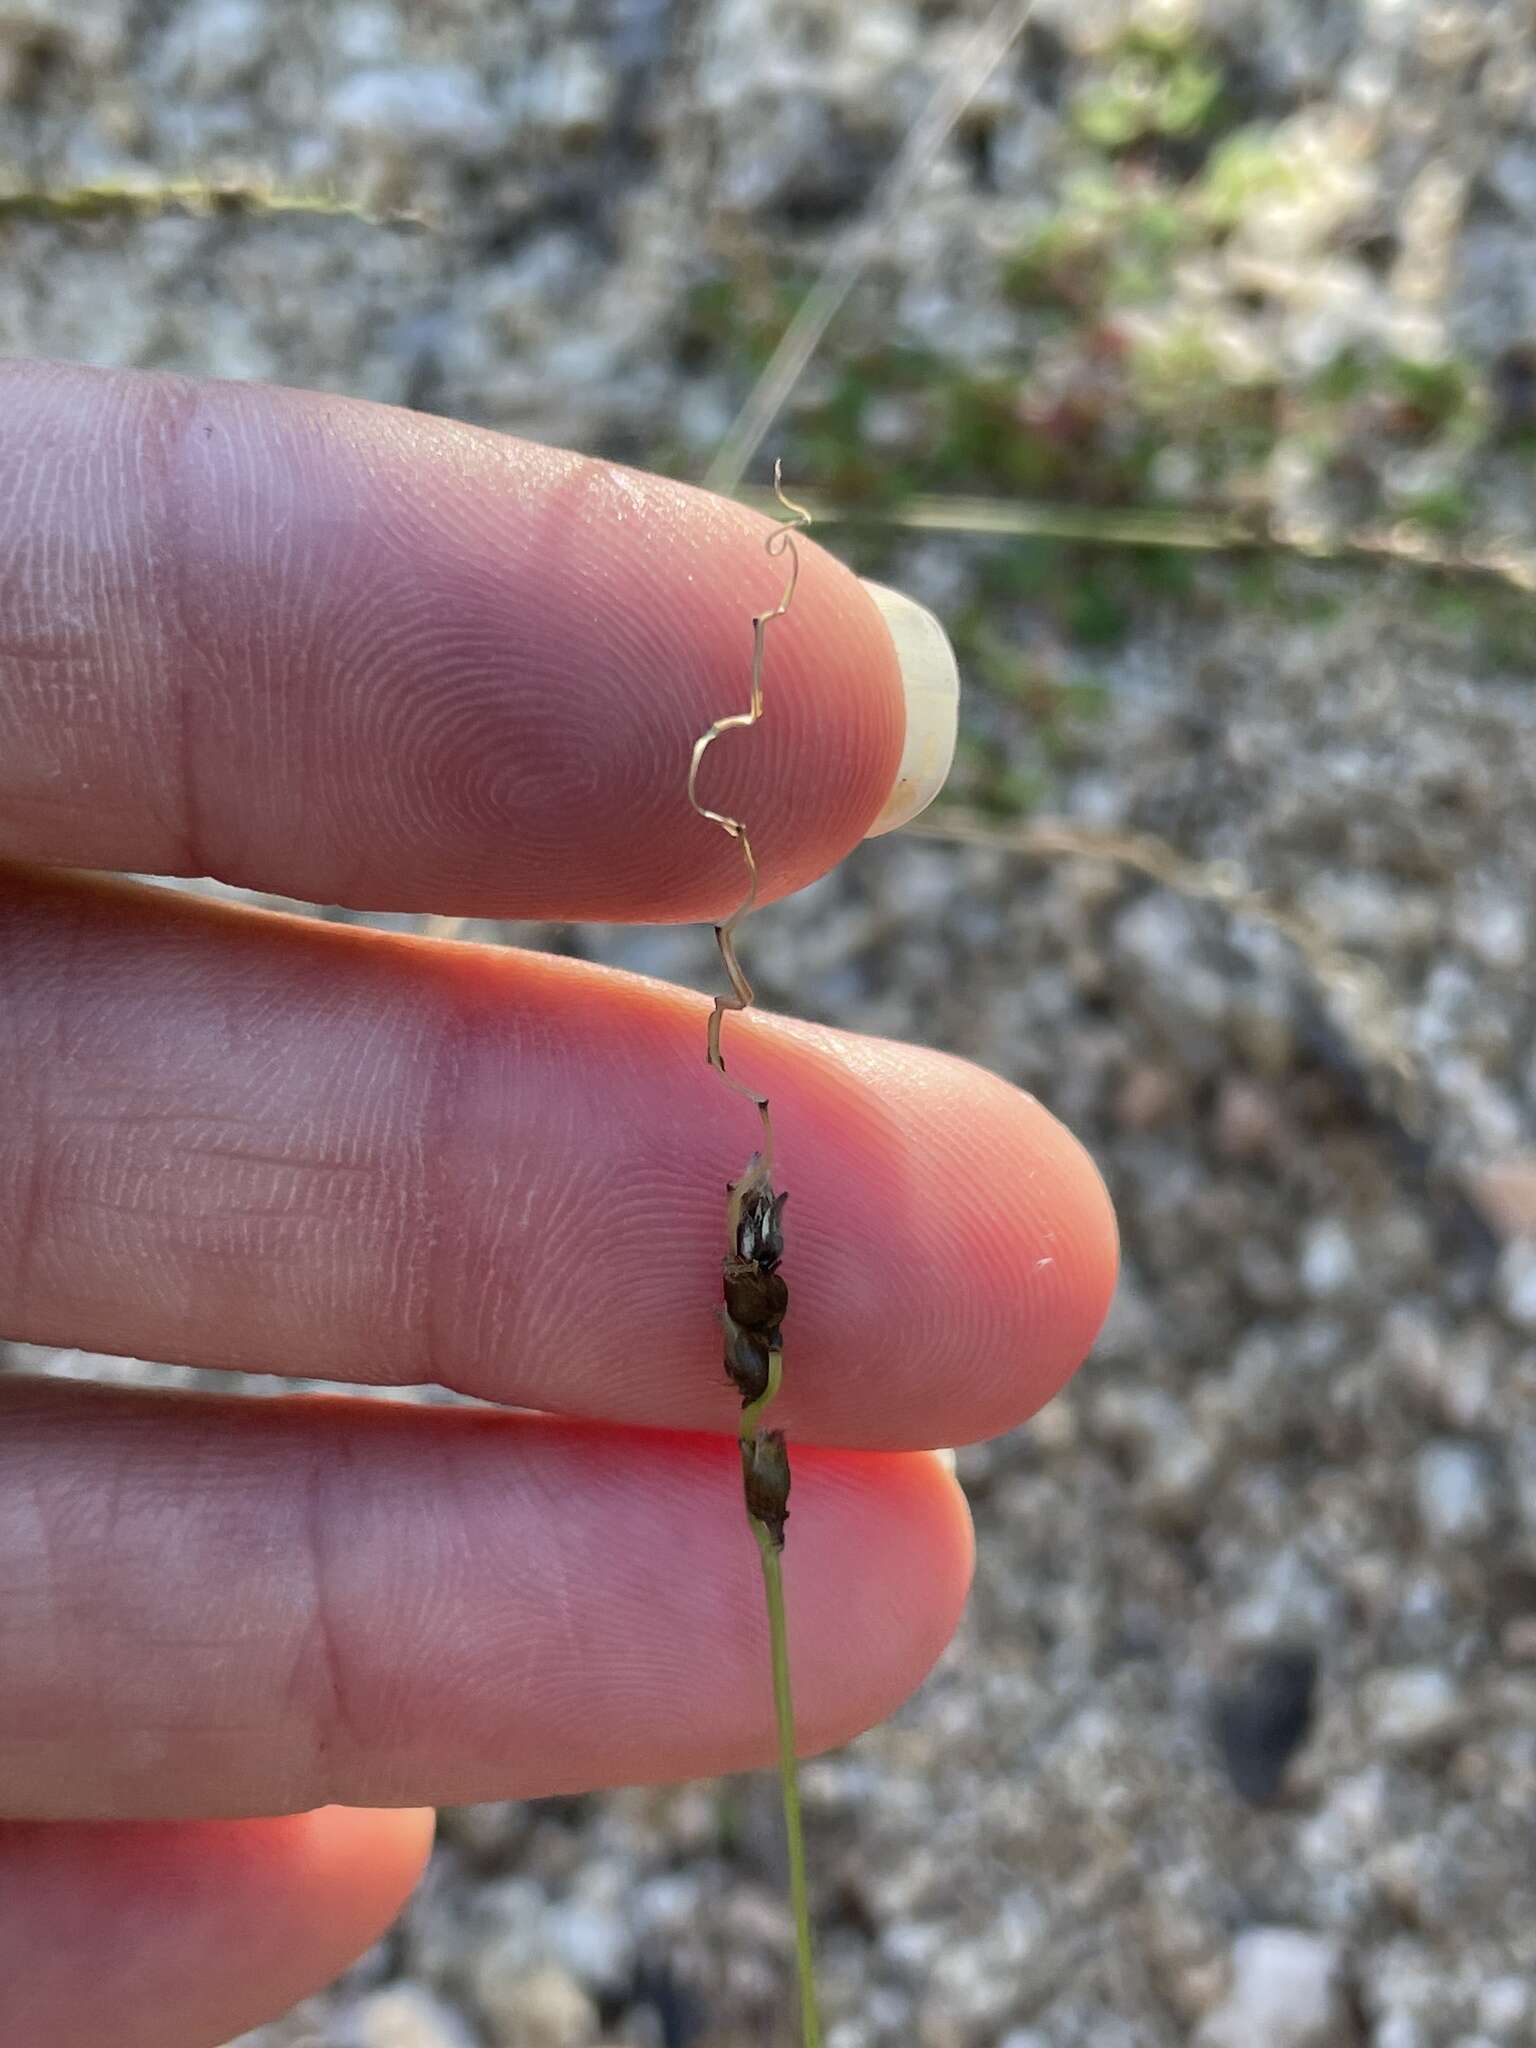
x: 143, y: 1933
x: 955, y: 1252
x: 909, y: 1527
x: 370, y: 1857
x: 1048, y: 1260
x: 357, y: 655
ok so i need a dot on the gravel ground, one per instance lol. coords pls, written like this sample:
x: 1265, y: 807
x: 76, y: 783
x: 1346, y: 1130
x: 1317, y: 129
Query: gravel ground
x: 1237, y: 1745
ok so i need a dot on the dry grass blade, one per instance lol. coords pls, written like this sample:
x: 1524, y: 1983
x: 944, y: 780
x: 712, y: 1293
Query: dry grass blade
x: 779, y: 542
x: 1359, y: 993
x: 199, y: 197
x: 1214, y: 532
x: 822, y: 303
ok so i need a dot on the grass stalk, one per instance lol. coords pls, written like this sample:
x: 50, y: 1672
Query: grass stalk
x: 789, y: 1783
x: 1197, y: 532
x: 756, y: 1295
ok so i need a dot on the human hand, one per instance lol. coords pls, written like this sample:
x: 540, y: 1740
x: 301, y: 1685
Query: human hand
x: 359, y: 656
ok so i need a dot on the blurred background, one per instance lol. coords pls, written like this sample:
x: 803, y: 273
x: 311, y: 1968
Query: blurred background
x: 1188, y: 369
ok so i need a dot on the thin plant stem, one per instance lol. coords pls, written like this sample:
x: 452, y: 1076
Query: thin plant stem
x: 1357, y: 994
x: 863, y: 240
x: 755, y: 1292
x: 789, y: 1783
x: 1198, y: 532
x: 146, y: 199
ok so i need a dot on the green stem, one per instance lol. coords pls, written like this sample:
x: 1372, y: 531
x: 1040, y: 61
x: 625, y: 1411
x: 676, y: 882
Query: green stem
x: 784, y: 1718
x: 789, y: 1784
x: 751, y: 1414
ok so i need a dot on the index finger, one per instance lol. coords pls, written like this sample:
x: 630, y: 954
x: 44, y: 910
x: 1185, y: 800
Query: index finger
x: 353, y: 654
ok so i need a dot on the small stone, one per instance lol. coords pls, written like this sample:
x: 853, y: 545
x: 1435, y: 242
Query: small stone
x: 1516, y: 1282
x: 590, y: 1938
x: 1285, y: 1993
x: 1412, y: 1709
x: 1262, y: 1719
x: 542, y: 2007
x: 1504, y: 2002
x: 569, y: 94
x: 974, y: 1981
x: 1503, y: 1191
x: 1342, y: 1831
x: 1328, y: 1262
x: 405, y: 2016
x: 220, y: 43
x: 1455, y: 1491
x: 1247, y: 1120
x: 1147, y: 1096
x: 665, y: 1906
x: 1495, y: 929
x: 1174, y: 1465
x: 759, y: 1920
x: 416, y: 105
x: 911, y: 1946
x: 488, y: 1832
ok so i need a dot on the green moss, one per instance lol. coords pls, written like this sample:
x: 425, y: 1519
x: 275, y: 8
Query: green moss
x: 1162, y: 572
x: 1021, y: 569
x: 987, y: 780
x: 982, y: 438
x: 1342, y: 380
x: 1245, y: 170
x: 1153, y: 86
x: 1097, y: 613
x: 1177, y: 368
x: 1437, y: 394
x: 1112, y: 244
x: 1446, y: 511
x: 1494, y: 626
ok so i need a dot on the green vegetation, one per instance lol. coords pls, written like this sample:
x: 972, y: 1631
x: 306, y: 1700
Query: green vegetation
x: 1110, y: 404
x: 1244, y: 171
x: 1111, y: 243
x: 1154, y: 84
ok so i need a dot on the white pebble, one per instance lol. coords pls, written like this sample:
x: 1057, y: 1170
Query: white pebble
x: 538, y: 2008
x: 405, y: 2016
x: 403, y: 107
x: 592, y: 1941
x: 1412, y: 1708
x: 1284, y: 1993
x: 1328, y: 1262
x: 1454, y: 1489
x: 1516, y: 1282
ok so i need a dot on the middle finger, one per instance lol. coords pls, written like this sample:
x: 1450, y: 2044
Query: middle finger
x: 274, y: 1145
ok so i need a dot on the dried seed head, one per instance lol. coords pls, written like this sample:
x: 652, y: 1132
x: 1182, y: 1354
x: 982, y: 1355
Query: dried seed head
x: 765, y: 1474
x: 746, y: 1361
x: 759, y: 1228
x: 756, y: 1299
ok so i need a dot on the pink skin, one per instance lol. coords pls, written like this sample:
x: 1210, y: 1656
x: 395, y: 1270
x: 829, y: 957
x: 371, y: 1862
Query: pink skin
x: 356, y: 655
x: 153, y: 1936
x: 331, y: 650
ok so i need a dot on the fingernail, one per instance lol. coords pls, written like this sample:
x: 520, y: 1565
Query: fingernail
x: 948, y: 1460
x: 930, y: 679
